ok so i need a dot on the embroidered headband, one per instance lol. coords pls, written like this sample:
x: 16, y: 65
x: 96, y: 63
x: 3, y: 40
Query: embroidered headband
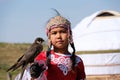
x: 57, y: 21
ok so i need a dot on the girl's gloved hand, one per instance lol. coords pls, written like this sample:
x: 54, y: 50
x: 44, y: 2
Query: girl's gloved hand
x: 36, y: 69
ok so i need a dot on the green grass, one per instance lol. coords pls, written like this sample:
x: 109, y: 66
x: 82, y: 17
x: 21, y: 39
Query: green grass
x: 9, y: 53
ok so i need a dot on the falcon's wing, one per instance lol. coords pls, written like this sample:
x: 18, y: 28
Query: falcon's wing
x: 32, y: 52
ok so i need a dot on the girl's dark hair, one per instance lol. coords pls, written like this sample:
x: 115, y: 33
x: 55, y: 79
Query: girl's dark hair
x: 73, y: 59
x: 48, y: 56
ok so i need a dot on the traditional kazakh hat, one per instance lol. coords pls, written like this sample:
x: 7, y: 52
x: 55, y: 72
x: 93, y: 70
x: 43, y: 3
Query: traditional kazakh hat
x: 59, y: 21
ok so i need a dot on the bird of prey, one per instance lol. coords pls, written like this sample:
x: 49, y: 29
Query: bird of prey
x: 28, y: 56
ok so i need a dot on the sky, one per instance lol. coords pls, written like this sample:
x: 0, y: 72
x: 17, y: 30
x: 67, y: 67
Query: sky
x: 21, y: 21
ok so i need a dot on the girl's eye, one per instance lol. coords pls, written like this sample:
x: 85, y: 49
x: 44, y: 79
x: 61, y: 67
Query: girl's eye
x: 53, y: 33
x: 63, y: 31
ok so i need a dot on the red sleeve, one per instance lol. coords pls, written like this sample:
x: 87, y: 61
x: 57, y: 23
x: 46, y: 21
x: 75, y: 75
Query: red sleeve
x: 41, y: 59
x: 41, y: 56
x: 81, y: 71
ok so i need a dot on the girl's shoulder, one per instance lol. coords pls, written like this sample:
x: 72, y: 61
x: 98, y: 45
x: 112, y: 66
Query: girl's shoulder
x: 41, y: 55
x: 78, y: 59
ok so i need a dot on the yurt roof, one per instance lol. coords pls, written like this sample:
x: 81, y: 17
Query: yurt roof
x: 99, y: 31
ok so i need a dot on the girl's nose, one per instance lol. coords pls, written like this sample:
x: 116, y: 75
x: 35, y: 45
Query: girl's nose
x: 58, y: 35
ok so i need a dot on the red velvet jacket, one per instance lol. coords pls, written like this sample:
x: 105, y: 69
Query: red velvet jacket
x: 60, y: 67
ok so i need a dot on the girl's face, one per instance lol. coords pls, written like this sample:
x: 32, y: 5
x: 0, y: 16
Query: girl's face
x: 59, y: 37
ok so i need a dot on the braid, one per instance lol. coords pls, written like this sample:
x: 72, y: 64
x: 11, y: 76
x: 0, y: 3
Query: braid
x: 73, y: 59
x: 48, y: 56
x: 73, y: 56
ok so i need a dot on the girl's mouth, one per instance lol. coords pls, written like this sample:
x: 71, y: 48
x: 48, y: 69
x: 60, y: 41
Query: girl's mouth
x: 59, y: 41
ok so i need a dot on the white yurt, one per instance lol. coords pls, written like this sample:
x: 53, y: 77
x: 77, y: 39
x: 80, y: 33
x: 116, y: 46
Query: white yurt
x: 99, y: 34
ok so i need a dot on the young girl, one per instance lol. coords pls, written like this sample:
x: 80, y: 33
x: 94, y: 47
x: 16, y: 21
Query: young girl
x: 58, y: 62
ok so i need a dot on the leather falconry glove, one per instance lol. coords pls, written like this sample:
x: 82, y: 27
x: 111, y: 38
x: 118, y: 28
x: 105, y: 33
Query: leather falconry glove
x: 36, y: 69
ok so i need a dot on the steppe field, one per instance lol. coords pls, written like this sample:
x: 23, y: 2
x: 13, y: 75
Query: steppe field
x: 10, y: 52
